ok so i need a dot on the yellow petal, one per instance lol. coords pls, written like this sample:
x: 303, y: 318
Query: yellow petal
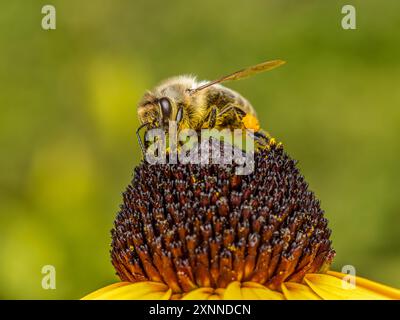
x: 267, y: 294
x: 329, y: 287
x: 220, y: 292
x: 249, y: 294
x: 262, y: 292
x: 93, y: 295
x: 232, y: 291
x: 133, y: 291
x: 251, y: 284
x: 297, y: 291
x: 250, y: 290
x: 158, y: 295
x: 370, y: 285
x: 199, y: 294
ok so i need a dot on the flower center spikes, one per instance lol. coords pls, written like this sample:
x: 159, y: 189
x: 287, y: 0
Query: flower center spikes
x: 195, y: 226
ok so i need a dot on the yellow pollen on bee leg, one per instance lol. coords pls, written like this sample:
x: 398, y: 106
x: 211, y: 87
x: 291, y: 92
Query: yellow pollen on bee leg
x: 251, y: 122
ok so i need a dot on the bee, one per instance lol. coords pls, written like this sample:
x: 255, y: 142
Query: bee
x: 200, y: 105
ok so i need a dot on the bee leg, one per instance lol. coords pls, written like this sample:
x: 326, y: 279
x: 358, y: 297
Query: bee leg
x: 230, y: 107
x: 260, y: 137
x: 212, y: 118
x: 141, y: 145
x: 237, y: 110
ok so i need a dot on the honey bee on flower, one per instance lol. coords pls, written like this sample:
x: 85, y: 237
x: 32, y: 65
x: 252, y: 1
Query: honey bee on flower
x: 201, y: 105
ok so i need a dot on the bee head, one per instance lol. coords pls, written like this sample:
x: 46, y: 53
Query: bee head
x: 169, y: 101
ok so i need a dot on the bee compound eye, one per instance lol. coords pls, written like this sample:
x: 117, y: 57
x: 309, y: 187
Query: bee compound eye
x: 166, y: 108
x: 179, y: 115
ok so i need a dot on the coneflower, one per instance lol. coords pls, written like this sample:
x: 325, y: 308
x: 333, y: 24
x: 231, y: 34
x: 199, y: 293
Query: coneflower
x: 202, y: 232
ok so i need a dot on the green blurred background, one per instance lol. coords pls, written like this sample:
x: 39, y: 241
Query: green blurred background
x: 67, y: 120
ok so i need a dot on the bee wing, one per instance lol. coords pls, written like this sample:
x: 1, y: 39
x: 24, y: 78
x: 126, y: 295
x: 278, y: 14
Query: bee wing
x: 247, y: 72
x: 244, y: 73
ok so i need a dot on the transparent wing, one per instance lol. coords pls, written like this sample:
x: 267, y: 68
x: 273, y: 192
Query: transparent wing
x: 244, y: 73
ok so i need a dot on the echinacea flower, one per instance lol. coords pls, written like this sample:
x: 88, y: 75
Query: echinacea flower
x: 190, y: 231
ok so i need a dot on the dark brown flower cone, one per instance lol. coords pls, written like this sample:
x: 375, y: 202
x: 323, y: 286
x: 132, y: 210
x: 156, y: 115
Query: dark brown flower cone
x: 195, y: 226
